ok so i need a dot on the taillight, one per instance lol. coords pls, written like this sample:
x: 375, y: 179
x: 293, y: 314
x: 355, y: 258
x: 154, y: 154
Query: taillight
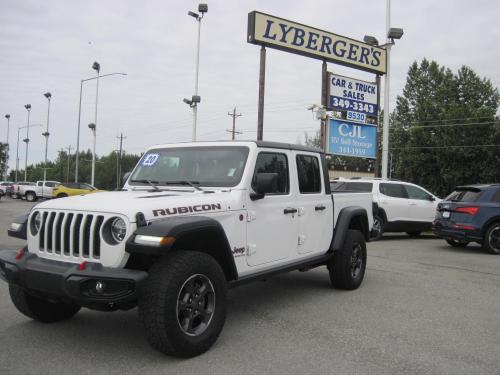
x: 467, y: 210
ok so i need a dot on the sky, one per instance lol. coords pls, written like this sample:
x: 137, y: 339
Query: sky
x: 50, y: 46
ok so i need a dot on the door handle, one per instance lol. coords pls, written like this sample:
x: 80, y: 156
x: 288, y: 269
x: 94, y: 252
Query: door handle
x: 289, y: 210
x: 320, y: 207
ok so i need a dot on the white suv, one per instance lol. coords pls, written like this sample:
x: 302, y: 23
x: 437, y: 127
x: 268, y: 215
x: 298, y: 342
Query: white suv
x: 402, y: 206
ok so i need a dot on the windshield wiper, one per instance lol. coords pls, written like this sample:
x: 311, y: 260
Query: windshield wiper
x: 152, y: 183
x: 184, y: 182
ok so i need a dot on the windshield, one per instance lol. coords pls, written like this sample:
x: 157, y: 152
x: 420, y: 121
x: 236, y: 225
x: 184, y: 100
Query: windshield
x: 204, y: 166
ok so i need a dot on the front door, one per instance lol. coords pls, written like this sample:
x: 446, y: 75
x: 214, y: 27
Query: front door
x: 423, y: 205
x: 272, y: 222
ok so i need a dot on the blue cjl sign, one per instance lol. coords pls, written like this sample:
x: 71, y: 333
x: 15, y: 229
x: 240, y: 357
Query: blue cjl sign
x: 352, y: 139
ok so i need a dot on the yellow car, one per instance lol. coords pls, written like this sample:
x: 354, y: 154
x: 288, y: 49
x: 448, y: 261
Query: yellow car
x: 72, y: 188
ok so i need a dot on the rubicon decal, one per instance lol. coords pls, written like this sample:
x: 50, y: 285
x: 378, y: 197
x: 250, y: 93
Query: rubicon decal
x: 187, y: 209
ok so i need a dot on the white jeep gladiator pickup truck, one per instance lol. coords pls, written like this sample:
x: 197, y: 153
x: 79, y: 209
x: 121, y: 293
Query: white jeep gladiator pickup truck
x: 193, y: 220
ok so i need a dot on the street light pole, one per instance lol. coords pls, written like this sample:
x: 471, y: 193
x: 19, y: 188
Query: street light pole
x: 92, y: 127
x: 7, y: 116
x: 77, y: 151
x: 385, y: 128
x: 17, y: 153
x: 392, y: 34
x: 27, y: 140
x: 17, y: 148
x: 97, y: 67
x: 46, y: 134
x: 202, y: 8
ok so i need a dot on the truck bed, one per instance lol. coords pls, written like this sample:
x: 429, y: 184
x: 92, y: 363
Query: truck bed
x: 343, y: 199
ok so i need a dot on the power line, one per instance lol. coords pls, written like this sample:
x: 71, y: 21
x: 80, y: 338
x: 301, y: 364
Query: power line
x: 449, y: 125
x: 451, y: 119
x: 440, y: 147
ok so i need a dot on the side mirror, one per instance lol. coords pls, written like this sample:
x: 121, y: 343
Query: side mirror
x: 431, y: 198
x: 125, y: 177
x: 264, y: 183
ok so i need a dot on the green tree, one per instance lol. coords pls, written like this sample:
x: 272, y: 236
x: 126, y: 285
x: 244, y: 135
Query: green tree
x: 443, y: 127
x: 63, y: 169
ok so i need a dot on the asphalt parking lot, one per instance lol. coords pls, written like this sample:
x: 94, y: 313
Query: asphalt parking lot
x: 423, y: 307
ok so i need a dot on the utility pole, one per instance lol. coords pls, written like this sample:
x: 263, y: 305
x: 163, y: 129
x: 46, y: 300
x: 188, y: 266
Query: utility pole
x: 61, y: 151
x: 69, y: 162
x: 119, y: 166
x: 234, y: 115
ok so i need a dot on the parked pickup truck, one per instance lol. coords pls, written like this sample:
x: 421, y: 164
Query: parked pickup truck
x: 41, y: 189
x: 193, y: 220
x: 18, y: 188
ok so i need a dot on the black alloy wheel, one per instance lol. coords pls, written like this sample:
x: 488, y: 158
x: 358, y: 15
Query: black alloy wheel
x: 492, y: 239
x: 356, y: 260
x: 347, y: 266
x: 195, y: 305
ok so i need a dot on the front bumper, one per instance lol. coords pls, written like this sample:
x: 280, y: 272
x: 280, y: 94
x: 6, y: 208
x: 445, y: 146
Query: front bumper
x: 117, y: 286
x: 448, y: 230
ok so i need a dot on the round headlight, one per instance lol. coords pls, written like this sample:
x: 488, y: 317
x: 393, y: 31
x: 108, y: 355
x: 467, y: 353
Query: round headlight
x: 118, y: 229
x: 36, y: 221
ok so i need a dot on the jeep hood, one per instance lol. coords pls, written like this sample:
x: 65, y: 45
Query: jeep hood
x: 154, y: 205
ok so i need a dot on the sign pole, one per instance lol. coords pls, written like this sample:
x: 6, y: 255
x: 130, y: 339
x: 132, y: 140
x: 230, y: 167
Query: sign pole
x: 377, y: 160
x: 262, y: 83
x: 324, y: 103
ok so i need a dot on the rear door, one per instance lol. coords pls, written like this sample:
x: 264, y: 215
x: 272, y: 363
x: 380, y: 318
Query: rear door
x: 47, y: 189
x: 394, y: 200
x: 315, y: 209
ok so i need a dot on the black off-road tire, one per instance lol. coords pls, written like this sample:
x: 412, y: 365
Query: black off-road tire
x: 347, y: 267
x: 491, y: 241
x: 161, y: 300
x: 377, y: 228
x: 40, y: 309
x: 457, y: 243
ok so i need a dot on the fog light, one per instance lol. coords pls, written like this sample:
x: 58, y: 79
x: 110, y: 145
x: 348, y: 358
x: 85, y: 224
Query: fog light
x: 99, y: 287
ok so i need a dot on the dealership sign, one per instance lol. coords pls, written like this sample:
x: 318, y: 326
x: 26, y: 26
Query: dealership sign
x: 351, y: 139
x: 304, y: 40
x: 349, y: 94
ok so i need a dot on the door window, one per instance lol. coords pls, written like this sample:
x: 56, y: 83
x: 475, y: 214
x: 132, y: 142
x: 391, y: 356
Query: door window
x: 417, y: 193
x: 309, y: 174
x: 50, y: 184
x: 271, y: 162
x: 393, y: 190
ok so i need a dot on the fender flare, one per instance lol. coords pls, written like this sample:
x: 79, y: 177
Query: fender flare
x: 190, y: 233
x: 22, y: 231
x: 347, y: 216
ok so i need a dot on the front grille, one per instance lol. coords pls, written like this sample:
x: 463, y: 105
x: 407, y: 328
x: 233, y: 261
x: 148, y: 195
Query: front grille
x: 75, y: 235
